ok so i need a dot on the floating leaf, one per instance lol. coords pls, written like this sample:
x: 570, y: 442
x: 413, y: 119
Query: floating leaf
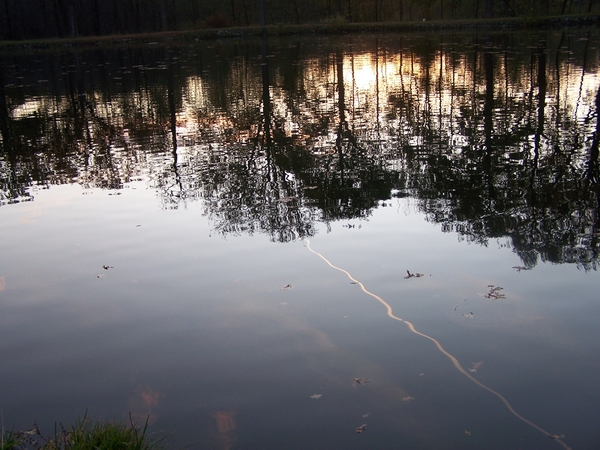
x: 494, y: 292
x: 468, y: 433
x: 360, y: 380
x: 412, y: 275
x: 105, y: 267
x: 316, y: 396
x: 557, y: 436
x: 361, y: 428
x: 286, y: 287
x: 476, y: 365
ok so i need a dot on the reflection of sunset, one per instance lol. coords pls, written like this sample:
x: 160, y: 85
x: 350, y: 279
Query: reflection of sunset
x: 225, y: 422
x: 143, y: 403
x: 360, y: 72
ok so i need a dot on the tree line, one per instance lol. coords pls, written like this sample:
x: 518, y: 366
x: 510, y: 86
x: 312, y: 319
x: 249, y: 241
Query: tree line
x: 34, y: 19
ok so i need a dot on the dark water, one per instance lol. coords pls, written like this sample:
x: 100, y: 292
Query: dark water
x: 157, y: 204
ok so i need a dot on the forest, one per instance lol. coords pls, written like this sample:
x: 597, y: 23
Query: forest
x: 39, y: 19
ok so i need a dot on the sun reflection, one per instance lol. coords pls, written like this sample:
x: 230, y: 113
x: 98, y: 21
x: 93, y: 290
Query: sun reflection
x: 226, y: 424
x: 143, y: 403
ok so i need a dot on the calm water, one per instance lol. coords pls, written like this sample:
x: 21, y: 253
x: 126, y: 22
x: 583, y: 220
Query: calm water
x: 159, y: 205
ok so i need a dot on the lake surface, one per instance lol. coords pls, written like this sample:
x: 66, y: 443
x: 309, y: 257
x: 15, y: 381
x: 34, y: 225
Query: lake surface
x: 168, y: 213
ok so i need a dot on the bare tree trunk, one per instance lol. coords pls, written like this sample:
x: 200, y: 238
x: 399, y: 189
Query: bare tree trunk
x: 296, y: 11
x: 9, y: 31
x: 489, y: 9
x: 232, y: 12
x: 261, y: 13
x: 245, y: 12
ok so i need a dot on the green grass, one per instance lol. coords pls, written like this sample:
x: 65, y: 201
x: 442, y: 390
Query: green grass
x: 85, y: 435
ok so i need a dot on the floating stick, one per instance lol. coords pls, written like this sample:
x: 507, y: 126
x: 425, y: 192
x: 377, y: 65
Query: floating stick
x: 454, y: 361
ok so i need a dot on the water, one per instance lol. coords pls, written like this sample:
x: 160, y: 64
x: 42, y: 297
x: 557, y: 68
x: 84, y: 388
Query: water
x: 158, y: 202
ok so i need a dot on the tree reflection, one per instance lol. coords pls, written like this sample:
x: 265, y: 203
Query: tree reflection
x: 493, y: 138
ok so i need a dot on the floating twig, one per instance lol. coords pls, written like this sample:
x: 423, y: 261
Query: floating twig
x: 413, y: 275
x: 361, y: 428
x: 494, y: 292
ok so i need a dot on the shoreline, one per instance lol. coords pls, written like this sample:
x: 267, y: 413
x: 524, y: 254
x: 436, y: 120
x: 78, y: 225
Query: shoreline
x: 332, y: 28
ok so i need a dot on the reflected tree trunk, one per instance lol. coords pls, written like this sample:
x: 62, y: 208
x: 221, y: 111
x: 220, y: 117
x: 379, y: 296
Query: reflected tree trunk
x: 592, y: 172
x: 339, y: 63
x: 377, y: 104
x: 266, y: 95
x: 173, y: 121
x: 4, y: 128
x: 82, y: 100
x: 593, y: 178
x: 172, y: 110
x: 541, y: 81
x: 488, y: 120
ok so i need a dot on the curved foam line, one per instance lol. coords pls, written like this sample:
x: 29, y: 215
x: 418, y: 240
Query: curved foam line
x: 454, y: 361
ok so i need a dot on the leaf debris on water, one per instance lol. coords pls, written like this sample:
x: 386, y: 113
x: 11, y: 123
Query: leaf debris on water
x: 316, y: 396
x: 494, y: 292
x: 468, y: 432
x: 360, y: 380
x: 105, y: 267
x: 361, y: 428
x: 412, y: 275
x: 366, y: 415
x: 557, y: 436
x: 286, y: 287
x: 408, y: 398
x: 476, y: 365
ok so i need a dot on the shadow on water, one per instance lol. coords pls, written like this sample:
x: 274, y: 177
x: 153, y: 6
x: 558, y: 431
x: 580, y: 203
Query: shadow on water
x: 492, y: 137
